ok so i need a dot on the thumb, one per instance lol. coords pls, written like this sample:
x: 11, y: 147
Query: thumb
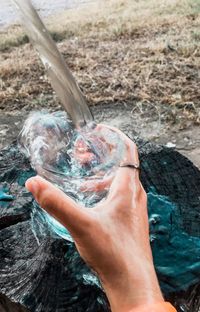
x: 60, y: 206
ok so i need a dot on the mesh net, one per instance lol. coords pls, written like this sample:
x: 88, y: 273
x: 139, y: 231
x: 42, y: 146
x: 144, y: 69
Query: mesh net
x: 45, y: 273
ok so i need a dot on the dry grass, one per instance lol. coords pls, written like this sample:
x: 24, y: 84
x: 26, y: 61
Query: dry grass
x: 105, y: 19
x: 140, y: 52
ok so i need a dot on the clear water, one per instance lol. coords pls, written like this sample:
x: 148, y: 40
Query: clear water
x: 66, y: 152
x: 70, y: 157
x: 58, y: 72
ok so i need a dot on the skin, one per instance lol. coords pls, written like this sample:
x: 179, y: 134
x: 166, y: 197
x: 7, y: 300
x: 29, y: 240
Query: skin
x: 112, y: 237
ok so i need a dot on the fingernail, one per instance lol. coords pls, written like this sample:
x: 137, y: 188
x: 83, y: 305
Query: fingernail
x: 32, y: 186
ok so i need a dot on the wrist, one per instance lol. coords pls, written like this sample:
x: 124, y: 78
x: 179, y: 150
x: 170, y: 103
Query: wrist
x: 129, y: 290
x: 156, y: 307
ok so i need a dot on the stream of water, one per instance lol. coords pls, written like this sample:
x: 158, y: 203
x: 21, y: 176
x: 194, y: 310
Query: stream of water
x: 69, y: 152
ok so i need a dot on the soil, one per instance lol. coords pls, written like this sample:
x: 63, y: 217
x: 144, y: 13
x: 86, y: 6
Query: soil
x: 121, y: 116
x: 145, y: 73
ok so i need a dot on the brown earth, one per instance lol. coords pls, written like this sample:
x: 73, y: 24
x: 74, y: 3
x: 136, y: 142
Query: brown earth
x: 136, y: 61
x: 185, y: 141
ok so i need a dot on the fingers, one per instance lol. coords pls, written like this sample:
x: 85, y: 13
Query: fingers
x: 131, y: 153
x: 101, y: 127
x: 59, y: 205
x: 126, y: 182
x: 97, y: 186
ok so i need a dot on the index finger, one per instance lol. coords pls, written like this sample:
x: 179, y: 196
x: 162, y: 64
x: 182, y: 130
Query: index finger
x: 122, y: 135
x: 131, y: 153
x: 125, y: 178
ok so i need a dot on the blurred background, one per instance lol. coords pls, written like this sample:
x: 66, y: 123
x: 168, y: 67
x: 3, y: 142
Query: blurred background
x: 136, y: 61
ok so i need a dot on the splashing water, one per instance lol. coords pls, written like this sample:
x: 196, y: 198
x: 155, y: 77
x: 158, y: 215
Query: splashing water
x: 70, y: 158
x: 60, y: 76
x: 67, y: 153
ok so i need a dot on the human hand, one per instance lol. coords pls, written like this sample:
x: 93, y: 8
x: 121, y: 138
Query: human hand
x: 112, y: 237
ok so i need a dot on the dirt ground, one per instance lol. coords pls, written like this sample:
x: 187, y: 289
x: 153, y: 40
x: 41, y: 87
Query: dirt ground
x: 186, y: 141
x: 137, y: 62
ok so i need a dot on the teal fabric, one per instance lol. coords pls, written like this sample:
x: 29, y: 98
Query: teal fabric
x: 176, y: 254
